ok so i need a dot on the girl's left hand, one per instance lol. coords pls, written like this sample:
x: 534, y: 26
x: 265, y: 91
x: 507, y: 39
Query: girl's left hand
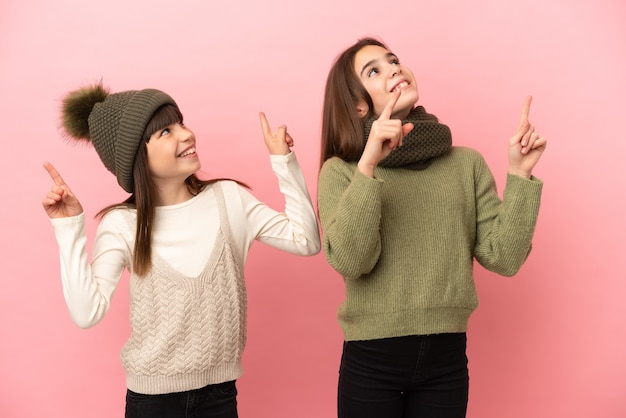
x: 279, y: 142
x: 525, y: 146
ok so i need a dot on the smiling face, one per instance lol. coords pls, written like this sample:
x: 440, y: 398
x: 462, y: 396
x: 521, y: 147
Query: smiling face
x: 382, y: 74
x: 172, y: 154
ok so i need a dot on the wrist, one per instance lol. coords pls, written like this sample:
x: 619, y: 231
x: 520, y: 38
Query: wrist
x: 520, y: 173
x: 366, y: 169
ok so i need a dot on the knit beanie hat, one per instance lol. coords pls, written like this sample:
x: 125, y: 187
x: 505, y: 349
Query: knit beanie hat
x: 113, y: 122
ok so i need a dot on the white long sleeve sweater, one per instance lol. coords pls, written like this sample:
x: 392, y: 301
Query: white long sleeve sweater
x: 183, y: 236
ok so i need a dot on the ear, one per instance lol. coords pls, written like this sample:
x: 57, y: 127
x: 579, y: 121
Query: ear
x: 362, y: 108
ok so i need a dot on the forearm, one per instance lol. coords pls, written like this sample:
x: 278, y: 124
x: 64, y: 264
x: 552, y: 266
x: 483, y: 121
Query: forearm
x: 86, y: 296
x: 505, y: 240
x: 350, y: 213
x: 295, y: 230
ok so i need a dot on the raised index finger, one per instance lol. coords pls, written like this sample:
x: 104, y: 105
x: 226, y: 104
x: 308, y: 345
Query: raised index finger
x: 265, y: 124
x: 525, y: 109
x: 54, y: 174
x: 386, y: 113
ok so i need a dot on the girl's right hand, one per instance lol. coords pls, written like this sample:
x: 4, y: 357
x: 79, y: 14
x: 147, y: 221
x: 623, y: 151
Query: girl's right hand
x: 385, y: 136
x: 279, y: 142
x: 60, y: 201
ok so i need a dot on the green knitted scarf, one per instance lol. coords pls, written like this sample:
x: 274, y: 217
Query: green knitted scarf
x: 427, y: 140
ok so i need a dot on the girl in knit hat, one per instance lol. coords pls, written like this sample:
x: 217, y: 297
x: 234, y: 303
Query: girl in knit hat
x: 184, y: 241
x: 404, y: 214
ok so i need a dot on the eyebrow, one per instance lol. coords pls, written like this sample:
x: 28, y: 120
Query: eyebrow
x: 371, y: 62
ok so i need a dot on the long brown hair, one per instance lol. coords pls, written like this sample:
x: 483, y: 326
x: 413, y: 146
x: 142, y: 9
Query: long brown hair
x: 342, y: 127
x: 145, y: 192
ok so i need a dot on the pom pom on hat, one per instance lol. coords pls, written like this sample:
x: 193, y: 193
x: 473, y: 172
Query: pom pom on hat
x: 77, y: 107
x: 113, y: 122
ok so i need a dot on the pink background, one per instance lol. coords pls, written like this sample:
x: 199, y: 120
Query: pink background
x: 547, y: 343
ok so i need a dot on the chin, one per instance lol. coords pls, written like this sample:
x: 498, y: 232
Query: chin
x: 404, y: 107
x: 409, y: 96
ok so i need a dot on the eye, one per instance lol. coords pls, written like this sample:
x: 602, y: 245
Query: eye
x: 372, y: 72
x: 394, y: 61
x: 165, y: 132
x: 181, y: 123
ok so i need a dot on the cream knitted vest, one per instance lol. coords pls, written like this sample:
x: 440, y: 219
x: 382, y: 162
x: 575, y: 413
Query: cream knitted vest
x: 188, y: 332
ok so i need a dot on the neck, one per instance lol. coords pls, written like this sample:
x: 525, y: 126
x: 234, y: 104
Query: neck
x: 401, y: 115
x: 172, y: 193
x: 428, y: 139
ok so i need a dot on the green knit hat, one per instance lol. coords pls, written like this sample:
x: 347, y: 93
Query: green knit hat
x: 113, y: 123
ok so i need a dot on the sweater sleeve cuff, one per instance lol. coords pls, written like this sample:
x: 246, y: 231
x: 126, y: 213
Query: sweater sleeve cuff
x: 521, y: 192
x: 362, y: 180
x: 68, y: 221
x: 366, y: 193
x: 532, y: 179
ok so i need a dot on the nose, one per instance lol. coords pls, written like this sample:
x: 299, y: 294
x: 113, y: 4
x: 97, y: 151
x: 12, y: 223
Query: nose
x: 394, y: 69
x: 184, y: 134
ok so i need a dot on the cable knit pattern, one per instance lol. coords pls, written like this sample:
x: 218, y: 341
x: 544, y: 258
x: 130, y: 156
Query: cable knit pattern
x: 405, y: 242
x: 187, y: 332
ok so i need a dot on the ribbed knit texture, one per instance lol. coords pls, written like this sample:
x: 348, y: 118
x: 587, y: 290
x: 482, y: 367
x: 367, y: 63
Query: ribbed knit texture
x: 405, y: 242
x: 116, y: 127
x: 187, y: 332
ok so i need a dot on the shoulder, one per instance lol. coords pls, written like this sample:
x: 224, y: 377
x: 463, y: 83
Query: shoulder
x: 335, y: 173
x: 120, y: 221
x: 466, y: 152
x: 336, y: 161
x: 119, y: 215
x: 337, y: 165
x: 235, y: 194
x: 464, y: 156
x: 227, y: 186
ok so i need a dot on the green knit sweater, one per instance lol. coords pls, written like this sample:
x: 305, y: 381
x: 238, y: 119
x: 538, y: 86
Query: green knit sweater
x: 405, y: 241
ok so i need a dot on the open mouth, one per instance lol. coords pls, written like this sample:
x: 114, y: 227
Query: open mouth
x: 400, y: 86
x: 187, y: 152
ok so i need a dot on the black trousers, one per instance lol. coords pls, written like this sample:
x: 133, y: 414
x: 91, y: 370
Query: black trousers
x: 419, y: 376
x: 212, y: 401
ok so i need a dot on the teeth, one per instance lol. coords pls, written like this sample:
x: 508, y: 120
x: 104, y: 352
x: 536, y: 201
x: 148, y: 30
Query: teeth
x: 188, y: 152
x: 400, y: 86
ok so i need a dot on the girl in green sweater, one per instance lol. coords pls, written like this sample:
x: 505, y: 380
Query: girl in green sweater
x: 404, y: 215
